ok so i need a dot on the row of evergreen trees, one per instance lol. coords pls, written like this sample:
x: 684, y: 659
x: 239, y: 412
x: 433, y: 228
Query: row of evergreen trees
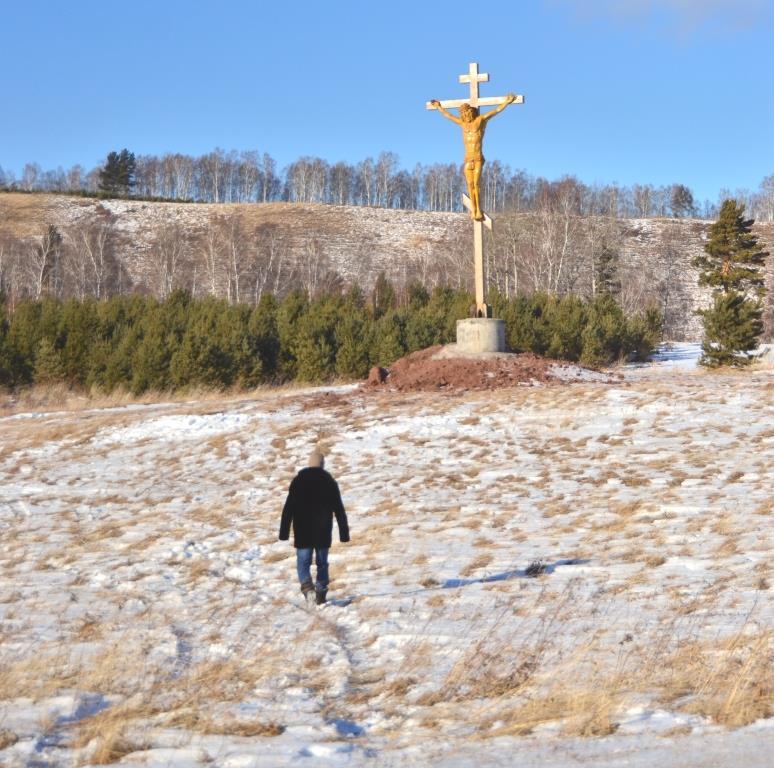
x: 139, y: 343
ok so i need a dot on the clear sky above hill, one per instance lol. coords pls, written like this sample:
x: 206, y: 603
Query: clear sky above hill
x: 647, y: 91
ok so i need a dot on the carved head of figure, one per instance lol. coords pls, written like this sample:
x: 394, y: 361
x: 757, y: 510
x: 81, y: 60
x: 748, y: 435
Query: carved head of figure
x: 468, y: 113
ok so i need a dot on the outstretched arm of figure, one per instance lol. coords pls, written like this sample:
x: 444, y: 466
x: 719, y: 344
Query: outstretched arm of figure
x: 445, y: 112
x: 509, y: 99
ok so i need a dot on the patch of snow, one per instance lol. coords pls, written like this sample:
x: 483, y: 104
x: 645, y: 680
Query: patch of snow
x: 172, y: 428
x: 570, y: 372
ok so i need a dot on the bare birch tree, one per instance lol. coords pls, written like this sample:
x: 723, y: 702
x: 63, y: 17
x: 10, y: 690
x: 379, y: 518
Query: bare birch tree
x: 209, y: 256
x: 169, y: 254
x: 386, y: 167
x: 315, y: 275
x: 42, y: 262
x: 272, y: 270
x: 341, y: 183
x: 89, y: 257
x: 237, y: 249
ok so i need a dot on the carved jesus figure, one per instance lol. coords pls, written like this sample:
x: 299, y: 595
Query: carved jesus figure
x: 473, y: 125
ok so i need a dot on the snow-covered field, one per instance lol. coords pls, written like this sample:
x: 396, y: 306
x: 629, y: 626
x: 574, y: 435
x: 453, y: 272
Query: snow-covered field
x: 149, y: 616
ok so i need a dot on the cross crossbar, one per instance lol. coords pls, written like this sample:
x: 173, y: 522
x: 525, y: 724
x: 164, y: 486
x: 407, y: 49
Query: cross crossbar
x: 486, y: 101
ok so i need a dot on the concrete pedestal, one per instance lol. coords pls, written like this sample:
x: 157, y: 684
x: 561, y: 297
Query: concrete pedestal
x: 480, y: 334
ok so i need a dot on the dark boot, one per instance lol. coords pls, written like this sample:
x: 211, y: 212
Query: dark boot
x: 321, y: 596
x: 307, y: 590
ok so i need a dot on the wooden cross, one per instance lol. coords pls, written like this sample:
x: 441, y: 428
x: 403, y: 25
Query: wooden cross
x: 474, y: 78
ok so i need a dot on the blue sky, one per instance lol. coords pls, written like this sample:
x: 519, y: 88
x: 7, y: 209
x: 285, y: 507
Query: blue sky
x: 649, y: 91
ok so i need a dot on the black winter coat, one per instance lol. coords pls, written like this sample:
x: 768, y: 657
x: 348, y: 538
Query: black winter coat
x: 313, y: 500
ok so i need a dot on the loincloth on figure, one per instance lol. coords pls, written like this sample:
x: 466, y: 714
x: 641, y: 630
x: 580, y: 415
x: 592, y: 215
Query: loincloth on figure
x: 471, y: 163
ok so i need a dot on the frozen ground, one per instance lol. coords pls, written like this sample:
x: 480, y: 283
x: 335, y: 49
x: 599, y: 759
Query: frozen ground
x: 148, y: 615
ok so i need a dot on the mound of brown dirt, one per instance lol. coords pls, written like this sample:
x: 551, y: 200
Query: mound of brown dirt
x: 443, y: 368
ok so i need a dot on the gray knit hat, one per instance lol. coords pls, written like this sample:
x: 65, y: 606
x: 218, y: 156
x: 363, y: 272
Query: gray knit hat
x: 316, y: 459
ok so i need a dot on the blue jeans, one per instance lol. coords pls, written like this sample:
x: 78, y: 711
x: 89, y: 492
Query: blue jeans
x: 304, y: 565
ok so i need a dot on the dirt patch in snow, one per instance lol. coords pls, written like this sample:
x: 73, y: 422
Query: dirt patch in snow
x: 444, y: 368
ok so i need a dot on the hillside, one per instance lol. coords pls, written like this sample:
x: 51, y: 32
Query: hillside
x: 358, y: 243
x: 349, y: 235
x: 546, y: 575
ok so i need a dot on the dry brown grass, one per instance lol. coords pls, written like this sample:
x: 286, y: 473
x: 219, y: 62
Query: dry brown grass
x: 115, y: 669
x: 190, y: 701
x: 634, y: 480
x: 88, y: 629
x: 527, y: 684
x: 197, y: 569
x: 7, y: 738
x: 106, y: 735
x: 218, y: 445
x: 245, y: 728
x: 729, y: 546
x: 19, y: 437
x: 398, y: 688
x: 584, y: 712
x: 194, y: 719
x: 481, y: 561
x: 60, y: 397
x: 219, y: 517
x: 277, y: 556
x: 498, y: 665
x: 732, y: 683
x: 677, y: 476
x: 106, y: 530
x: 36, y: 675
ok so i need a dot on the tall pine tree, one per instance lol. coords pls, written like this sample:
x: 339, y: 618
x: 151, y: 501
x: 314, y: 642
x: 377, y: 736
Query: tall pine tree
x: 732, y: 266
x: 117, y: 175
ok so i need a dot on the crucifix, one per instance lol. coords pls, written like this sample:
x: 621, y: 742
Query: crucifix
x: 473, y: 125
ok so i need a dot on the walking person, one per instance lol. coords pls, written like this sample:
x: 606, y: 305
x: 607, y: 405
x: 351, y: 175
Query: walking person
x: 313, y: 500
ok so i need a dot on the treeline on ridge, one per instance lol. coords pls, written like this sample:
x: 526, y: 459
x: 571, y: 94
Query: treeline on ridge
x: 140, y: 343
x: 243, y: 177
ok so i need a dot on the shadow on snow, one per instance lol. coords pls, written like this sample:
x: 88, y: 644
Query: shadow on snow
x: 517, y: 573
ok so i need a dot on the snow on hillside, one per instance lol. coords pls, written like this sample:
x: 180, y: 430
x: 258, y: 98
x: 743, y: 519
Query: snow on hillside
x: 555, y: 576
x: 359, y: 242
